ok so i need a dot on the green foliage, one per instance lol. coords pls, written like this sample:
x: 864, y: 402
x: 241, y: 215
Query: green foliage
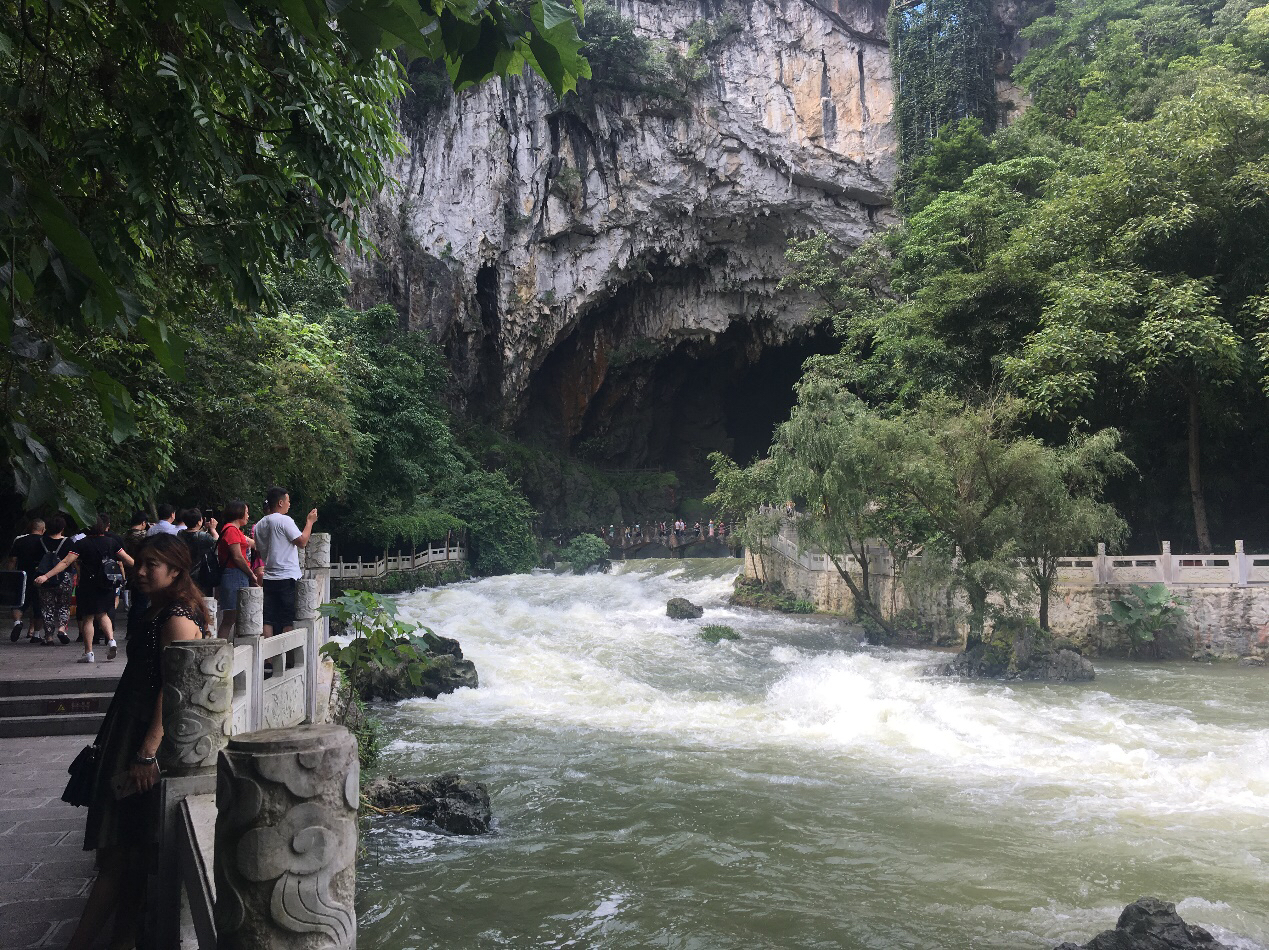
x: 367, y: 728
x: 1100, y: 260
x: 584, y: 552
x: 158, y: 160
x: 714, y: 632
x: 379, y: 639
x: 749, y: 592
x: 941, y: 58
x: 621, y: 60
x: 499, y: 520
x: 1145, y: 615
x: 692, y: 66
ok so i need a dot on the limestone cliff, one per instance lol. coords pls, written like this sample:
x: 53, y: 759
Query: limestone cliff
x: 603, y: 272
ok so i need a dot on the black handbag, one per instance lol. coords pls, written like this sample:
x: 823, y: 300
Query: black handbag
x: 83, y: 778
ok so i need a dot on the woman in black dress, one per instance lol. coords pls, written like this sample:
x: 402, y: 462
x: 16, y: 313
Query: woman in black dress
x: 124, y: 831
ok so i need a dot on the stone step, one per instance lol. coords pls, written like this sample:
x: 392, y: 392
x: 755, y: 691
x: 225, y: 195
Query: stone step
x: 60, y: 686
x: 59, y: 705
x: 63, y: 724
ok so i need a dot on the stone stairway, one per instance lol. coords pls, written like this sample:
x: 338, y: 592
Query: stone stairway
x: 55, y: 705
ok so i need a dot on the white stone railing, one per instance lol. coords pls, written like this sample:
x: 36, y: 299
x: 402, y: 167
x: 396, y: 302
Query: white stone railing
x: 434, y: 553
x: 1238, y: 569
x: 290, y: 696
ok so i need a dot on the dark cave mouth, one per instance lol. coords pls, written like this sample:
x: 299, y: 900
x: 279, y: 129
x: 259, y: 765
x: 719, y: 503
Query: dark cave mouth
x: 666, y: 407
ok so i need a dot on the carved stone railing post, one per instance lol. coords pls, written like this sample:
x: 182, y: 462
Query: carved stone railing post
x: 197, y: 705
x: 286, y: 840
x: 307, y: 600
x: 249, y: 630
x: 197, y: 709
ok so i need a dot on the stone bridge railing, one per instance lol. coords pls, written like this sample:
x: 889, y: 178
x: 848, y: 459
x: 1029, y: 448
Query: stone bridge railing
x: 1238, y: 569
x: 258, y: 798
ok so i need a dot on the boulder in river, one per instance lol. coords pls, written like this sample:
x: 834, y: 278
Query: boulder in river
x: 680, y: 608
x: 450, y: 802
x: 1150, y: 924
x: 1050, y: 666
x: 445, y: 671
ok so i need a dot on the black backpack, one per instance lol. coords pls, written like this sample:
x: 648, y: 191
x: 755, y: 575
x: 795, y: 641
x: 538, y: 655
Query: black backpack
x: 207, y: 570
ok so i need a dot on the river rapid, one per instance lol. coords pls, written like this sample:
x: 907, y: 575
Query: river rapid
x: 786, y: 790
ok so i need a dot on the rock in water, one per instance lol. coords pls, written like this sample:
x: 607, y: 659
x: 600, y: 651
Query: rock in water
x: 680, y: 608
x: 1151, y: 924
x: 451, y: 802
x: 981, y: 662
x: 444, y: 674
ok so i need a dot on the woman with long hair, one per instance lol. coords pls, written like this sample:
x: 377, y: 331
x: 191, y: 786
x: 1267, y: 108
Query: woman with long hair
x: 124, y: 830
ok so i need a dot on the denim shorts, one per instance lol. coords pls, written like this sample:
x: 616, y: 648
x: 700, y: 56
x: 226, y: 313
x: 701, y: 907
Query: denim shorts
x: 232, y: 580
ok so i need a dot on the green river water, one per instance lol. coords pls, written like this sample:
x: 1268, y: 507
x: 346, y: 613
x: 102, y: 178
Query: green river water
x: 783, y: 790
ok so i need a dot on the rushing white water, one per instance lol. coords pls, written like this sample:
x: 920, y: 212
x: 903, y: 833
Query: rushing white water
x: 784, y: 790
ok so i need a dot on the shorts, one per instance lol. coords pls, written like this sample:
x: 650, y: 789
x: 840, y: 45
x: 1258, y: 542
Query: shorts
x: 32, y: 602
x: 90, y: 601
x: 232, y: 580
x: 279, y: 603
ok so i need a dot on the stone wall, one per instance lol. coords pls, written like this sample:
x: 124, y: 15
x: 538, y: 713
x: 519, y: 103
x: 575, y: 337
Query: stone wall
x: 1220, y: 621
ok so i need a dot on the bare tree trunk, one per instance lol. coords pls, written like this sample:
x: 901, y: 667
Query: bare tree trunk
x: 1196, y: 479
x: 863, y: 597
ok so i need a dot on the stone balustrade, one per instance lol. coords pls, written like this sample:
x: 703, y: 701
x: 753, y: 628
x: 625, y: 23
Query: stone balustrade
x: 254, y: 709
x: 433, y: 554
x: 1238, y: 569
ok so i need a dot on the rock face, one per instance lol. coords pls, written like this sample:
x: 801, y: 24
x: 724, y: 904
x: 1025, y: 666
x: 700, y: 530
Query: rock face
x: 450, y: 802
x: 1150, y: 924
x: 603, y: 272
x: 1052, y: 666
x: 680, y: 608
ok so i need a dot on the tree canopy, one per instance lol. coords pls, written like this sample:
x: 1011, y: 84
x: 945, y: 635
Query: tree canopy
x: 162, y: 159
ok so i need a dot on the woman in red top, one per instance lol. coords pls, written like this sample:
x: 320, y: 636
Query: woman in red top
x: 231, y: 551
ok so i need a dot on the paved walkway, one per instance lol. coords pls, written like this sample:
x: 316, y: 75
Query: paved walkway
x: 24, y: 661
x: 44, y: 872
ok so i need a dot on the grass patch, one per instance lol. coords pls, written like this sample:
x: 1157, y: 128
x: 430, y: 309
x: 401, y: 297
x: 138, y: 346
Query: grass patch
x: 713, y: 632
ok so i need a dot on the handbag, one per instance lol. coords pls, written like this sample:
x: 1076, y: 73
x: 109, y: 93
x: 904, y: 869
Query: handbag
x: 83, y: 778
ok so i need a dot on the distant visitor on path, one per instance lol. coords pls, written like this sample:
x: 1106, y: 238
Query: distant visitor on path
x: 278, y: 540
x: 24, y: 555
x: 122, y: 826
x: 100, y: 556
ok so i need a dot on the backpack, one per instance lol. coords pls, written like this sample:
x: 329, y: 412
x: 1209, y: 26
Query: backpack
x: 112, y: 571
x: 206, y: 571
x: 52, y: 557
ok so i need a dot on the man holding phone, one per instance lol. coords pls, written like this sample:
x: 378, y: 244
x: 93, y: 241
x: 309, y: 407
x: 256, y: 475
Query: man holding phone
x: 24, y: 555
x: 278, y: 541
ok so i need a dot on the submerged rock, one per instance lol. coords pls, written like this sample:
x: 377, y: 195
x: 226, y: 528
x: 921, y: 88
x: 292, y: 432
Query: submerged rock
x: 450, y: 802
x: 680, y: 608
x: 1051, y: 666
x: 1150, y: 924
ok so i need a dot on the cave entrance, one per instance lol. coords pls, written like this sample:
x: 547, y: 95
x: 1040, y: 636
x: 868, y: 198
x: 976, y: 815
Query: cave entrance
x: 644, y: 405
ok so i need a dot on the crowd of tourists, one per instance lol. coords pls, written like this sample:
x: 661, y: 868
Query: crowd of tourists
x: 93, y: 573
x: 669, y: 533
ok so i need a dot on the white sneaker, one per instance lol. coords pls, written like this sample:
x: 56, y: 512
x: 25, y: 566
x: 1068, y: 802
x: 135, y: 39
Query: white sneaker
x: 114, y: 650
x: 87, y: 658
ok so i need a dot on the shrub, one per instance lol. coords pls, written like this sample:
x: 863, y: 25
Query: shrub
x: 713, y: 632
x: 584, y: 552
x: 1145, y: 614
x: 379, y: 638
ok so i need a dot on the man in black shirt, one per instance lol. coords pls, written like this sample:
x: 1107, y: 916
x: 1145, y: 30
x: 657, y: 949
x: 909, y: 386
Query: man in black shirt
x: 24, y: 555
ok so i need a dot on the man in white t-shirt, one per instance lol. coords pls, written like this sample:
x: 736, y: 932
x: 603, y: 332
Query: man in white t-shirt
x: 278, y: 542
